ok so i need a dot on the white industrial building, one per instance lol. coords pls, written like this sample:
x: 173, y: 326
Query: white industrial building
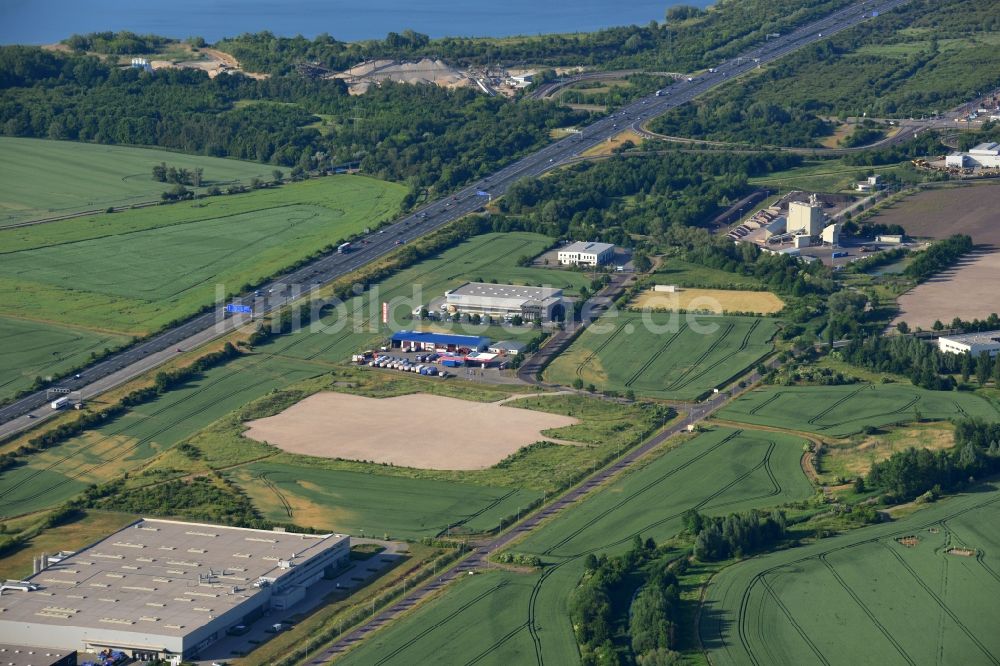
x: 586, y: 254
x: 506, y: 301
x: 163, y: 588
x: 985, y: 155
x: 971, y: 343
x: 805, y: 218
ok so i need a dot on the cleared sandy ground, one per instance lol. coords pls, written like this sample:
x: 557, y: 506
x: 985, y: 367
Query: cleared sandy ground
x: 417, y: 430
x: 711, y: 300
x: 969, y: 291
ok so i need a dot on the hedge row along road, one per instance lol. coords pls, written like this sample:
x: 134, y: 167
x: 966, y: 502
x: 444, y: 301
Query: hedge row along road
x: 136, y: 359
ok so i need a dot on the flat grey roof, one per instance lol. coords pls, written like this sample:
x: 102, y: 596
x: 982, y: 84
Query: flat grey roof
x: 485, y: 290
x: 585, y: 246
x: 984, y: 338
x: 21, y: 655
x: 508, y: 344
x: 159, y: 577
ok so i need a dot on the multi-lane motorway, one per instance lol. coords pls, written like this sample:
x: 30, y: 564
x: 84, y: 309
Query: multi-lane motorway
x: 139, y: 358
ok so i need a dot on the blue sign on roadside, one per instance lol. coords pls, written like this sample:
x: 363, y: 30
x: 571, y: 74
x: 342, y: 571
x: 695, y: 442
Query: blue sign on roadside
x: 241, y: 309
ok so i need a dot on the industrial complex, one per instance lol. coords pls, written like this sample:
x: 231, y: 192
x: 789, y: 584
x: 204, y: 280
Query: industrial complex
x: 505, y: 301
x: 971, y: 343
x: 983, y: 156
x: 164, y: 589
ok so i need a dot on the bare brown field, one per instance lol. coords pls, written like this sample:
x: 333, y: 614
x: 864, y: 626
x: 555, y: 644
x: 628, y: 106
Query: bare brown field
x: 942, y: 212
x: 719, y: 301
x: 416, y: 430
x: 972, y: 288
x: 969, y: 291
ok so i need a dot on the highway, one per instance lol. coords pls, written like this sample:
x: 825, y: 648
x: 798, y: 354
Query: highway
x: 139, y: 358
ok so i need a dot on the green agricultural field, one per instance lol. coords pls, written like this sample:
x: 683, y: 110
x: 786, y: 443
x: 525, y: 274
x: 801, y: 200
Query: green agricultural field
x: 839, y: 411
x: 30, y: 349
x: 57, y: 474
x: 94, y: 177
x: 135, y: 271
x: 512, y: 618
x: 663, y: 355
x: 890, y: 594
x: 369, y: 504
x: 686, y: 274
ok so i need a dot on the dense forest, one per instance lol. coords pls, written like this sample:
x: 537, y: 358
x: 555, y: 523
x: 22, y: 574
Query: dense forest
x: 688, y: 39
x: 426, y: 135
x: 922, y: 58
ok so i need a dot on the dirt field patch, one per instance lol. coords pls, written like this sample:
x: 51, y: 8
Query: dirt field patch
x: 969, y: 291
x: 416, y: 430
x: 718, y: 301
x: 942, y: 212
x: 909, y: 541
x: 962, y: 552
x: 607, y: 147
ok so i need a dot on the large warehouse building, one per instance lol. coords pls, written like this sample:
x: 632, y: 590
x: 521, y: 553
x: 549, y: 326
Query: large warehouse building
x: 985, y: 155
x: 505, y: 301
x: 586, y: 254
x: 971, y: 343
x: 161, y: 588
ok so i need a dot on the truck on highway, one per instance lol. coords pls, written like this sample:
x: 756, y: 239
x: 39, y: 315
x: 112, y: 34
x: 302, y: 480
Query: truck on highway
x: 59, y: 403
x: 343, y: 248
x: 659, y: 93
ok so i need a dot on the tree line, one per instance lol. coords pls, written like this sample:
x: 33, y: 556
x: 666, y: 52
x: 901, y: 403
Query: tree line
x: 940, y: 256
x: 924, y: 364
x: 689, y: 38
x: 913, y: 473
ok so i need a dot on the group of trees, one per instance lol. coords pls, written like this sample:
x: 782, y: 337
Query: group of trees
x: 210, y: 499
x: 941, y: 255
x: 735, y: 535
x: 612, y: 200
x: 924, y: 364
x: 116, y: 43
x: 912, y: 473
x: 613, y: 625
x: 178, y: 176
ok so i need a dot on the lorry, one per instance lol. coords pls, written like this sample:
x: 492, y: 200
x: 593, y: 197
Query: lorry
x: 343, y: 248
x: 59, y: 403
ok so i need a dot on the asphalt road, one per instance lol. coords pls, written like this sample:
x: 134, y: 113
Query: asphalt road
x: 139, y: 358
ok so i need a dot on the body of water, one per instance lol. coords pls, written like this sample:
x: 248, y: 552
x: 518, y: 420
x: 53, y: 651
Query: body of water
x: 49, y: 21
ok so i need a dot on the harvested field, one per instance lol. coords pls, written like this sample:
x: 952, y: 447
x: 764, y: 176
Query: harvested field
x: 968, y: 291
x: 416, y: 430
x: 940, y: 213
x: 719, y: 301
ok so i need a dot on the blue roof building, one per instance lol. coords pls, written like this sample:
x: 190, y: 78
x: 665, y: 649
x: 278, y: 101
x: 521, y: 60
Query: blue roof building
x: 426, y: 340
